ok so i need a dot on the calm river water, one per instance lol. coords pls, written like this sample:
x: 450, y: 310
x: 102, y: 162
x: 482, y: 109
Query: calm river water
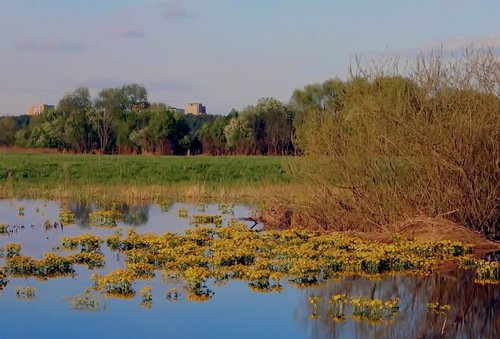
x: 235, y: 311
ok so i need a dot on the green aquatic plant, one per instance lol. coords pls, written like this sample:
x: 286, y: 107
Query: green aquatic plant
x: 50, y: 265
x: 4, y: 229
x: 438, y: 308
x: 12, y: 250
x: 226, y: 209
x: 182, y: 213
x: 88, y: 301
x: 85, y: 242
x: 314, y: 302
x: 3, y: 279
x: 27, y: 293
x: 146, y: 296
x: 206, y: 219
x: 105, y: 218
x: 172, y: 294
x: 117, y: 283
x: 66, y: 216
x: 91, y: 259
x: 336, y: 305
x: 487, y: 272
x: 374, y: 309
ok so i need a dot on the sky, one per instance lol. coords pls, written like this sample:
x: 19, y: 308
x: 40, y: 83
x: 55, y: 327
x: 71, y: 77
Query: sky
x: 224, y: 53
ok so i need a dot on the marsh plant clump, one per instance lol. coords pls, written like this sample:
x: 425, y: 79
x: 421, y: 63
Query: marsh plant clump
x: 66, y: 216
x: 105, y: 218
x: 206, y: 219
x: 438, y: 308
x: 487, y: 272
x: 3, y: 279
x: 84, y: 242
x: 206, y: 255
x: 182, y: 213
x: 27, y: 293
x: 88, y: 301
x: 4, y: 229
x: 264, y: 259
x: 340, y: 306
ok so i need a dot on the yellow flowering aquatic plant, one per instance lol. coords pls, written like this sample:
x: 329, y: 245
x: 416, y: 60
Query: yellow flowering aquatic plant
x: 66, y: 216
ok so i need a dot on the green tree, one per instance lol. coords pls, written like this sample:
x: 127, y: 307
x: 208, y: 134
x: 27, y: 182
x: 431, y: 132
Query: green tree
x: 77, y: 106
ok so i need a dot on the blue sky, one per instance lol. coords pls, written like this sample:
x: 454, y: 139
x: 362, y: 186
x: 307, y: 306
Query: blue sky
x: 224, y: 53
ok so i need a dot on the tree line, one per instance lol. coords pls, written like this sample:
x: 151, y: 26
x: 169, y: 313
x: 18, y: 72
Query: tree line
x: 122, y: 120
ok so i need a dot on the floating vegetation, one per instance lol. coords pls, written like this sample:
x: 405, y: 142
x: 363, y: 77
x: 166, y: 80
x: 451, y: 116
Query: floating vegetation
x: 91, y: 259
x: 374, y: 309
x: 172, y: 294
x: 314, y: 301
x: 66, y: 216
x: 361, y: 308
x: 146, y: 296
x: 105, y: 218
x: 117, y: 283
x: 438, y: 308
x: 487, y: 272
x: 3, y: 279
x: 85, y: 242
x: 226, y: 209
x: 206, y: 219
x: 50, y: 265
x: 12, y: 250
x: 88, y: 301
x: 182, y: 213
x: 336, y: 305
x: 4, y: 229
x: 27, y: 293
x: 263, y: 260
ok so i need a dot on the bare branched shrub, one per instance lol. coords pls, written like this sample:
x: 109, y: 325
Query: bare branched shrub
x: 424, y: 143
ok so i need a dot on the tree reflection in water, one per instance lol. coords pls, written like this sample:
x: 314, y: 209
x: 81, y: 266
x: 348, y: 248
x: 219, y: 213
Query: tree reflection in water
x: 133, y: 215
x: 475, y: 308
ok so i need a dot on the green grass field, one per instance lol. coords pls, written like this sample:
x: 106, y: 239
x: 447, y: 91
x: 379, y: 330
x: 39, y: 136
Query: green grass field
x: 54, y: 169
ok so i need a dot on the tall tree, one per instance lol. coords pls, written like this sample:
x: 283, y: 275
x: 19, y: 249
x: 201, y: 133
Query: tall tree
x: 77, y: 107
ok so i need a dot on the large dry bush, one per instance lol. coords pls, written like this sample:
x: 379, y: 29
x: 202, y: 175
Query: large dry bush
x: 424, y: 143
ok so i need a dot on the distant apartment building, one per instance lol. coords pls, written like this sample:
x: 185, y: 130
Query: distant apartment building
x: 195, y: 108
x: 38, y: 109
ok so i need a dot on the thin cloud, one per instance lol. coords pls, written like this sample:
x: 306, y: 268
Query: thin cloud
x: 131, y: 34
x: 153, y: 85
x: 63, y: 45
x: 459, y: 43
x: 452, y: 47
x: 175, y: 10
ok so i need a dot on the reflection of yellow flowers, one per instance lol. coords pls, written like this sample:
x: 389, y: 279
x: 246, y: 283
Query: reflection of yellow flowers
x: 438, y: 308
x: 106, y: 218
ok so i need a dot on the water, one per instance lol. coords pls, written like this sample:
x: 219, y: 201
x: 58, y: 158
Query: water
x: 235, y: 311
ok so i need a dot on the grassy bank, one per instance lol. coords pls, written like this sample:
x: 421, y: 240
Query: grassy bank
x: 140, y: 177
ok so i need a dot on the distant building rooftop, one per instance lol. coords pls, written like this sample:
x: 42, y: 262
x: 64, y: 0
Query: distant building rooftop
x: 37, y: 109
x: 195, y: 108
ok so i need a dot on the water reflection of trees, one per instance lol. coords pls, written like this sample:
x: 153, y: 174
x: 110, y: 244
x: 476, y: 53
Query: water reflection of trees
x: 475, y: 309
x: 133, y: 215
